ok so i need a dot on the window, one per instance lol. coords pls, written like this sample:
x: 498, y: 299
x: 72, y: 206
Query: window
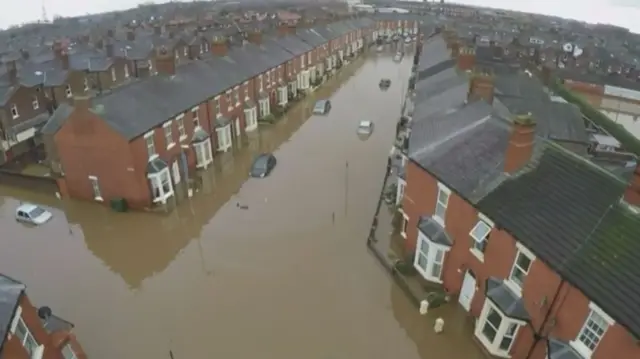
x: 520, y: 269
x: 592, y: 331
x: 216, y: 106
x: 68, y: 353
x: 224, y: 137
x: 268, y: 78
x: 194, y: 115
x: 273, y: 76
x: 186, y: 51
x: 126, y: 71
x: 302, y: 58
x: 246, y: 90
x: 282, y: 96
x: 251, y: 117
x: 68, y: 91
x: 151, y: 146
x: 260, y: 84
x: 496, y: 331
x: 479, y: 236
x: 429, y: 259
x: 289, y: 67
x: 151, y: 69
x: 26, y: 338
x: 441, y: 203
x: 203, y: 153
x: 95, y: 185
x: 309, y: 57
x: 228, y: 97
x: 168, y: 134
x: 14, y: 111
x: 181, y: 130
x: 114, y: 77
x: 264, y: 108
x: 236, y: 95
x: 404, y: 225
x: 86, y: 84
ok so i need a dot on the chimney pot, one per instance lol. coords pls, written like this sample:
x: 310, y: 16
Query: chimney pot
x: 466, y: 57
x: 219, y: 46
x: 165, y: 62
x: 632, y: 194
x: 521, y: 142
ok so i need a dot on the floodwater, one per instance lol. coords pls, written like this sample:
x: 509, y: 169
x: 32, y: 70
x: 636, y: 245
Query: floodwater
x: 269, y: 268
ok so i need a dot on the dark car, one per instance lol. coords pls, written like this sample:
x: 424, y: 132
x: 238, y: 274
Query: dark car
x: 322, y: 107
x: 385, y: 83
x: 263, y: 165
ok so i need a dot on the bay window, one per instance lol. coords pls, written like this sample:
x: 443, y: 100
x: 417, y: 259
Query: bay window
x: 264, y: 107
x: 282, y: 96
x: 203, y: 153
x: 224, y: 137
x: 429, y: 258
x: 496, y: 331
x: 251, y: 118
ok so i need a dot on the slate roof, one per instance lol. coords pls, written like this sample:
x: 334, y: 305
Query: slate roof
x: 434, y: 231
x: 10, y: 292
x: 559, y: 349
x: 505, y: 299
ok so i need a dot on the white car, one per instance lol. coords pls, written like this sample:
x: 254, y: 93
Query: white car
x: 365, y: 128
x: 33, y: 214
x: 398, y: 57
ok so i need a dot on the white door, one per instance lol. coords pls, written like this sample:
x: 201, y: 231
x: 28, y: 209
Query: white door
x: 176, y: 172
x: 237, y: 126
x: 467, y: 291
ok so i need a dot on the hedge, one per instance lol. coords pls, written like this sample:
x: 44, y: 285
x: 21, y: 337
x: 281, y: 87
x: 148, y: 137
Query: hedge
x: 628, y: 141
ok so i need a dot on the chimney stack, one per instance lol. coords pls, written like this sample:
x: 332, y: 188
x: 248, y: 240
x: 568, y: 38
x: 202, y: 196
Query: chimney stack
x: 286, y: 29
x: 466, y: 58
x: 521, y: 142
x: 255, y: 37
x: 219, y: 46
x: 632, y: 194
x: 131, y: 35
x: 455, y: 50
x: 12, y: 71
x: 481, y: 87
x: 61, y: 54
x: 165, y: 62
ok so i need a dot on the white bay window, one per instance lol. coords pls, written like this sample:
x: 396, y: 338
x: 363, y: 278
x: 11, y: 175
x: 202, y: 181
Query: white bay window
x: 429, y: 258
x: 282, y: 96
x: 203, y: 151
x: 264, y: 107
x: 251, y: 118
x: 224, y: 137
x: 496, y: 331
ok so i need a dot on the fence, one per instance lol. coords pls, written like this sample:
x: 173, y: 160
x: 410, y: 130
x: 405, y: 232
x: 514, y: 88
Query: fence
x: 47, y: 185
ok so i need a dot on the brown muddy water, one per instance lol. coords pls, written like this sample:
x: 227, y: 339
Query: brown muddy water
x: 289, y: 277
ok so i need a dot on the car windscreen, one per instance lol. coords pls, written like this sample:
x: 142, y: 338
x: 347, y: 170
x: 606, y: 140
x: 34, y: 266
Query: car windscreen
x: 36, y: 212
x: 319, y: 106
x: 261, y: 163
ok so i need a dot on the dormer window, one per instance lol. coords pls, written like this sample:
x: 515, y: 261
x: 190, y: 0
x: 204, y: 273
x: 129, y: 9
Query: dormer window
x: 68, y: 91
x: 14, y: 111
x: 35, y: 103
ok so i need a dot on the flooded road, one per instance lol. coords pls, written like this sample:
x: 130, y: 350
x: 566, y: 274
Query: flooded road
x: 287, y: 277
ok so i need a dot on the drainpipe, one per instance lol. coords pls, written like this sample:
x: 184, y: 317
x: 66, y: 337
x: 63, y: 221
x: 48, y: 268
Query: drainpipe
x: 539, y: 335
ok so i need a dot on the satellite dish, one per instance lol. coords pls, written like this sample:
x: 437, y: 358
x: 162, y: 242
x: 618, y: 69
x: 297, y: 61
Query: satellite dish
x: 567, y: 47
x: 577, y: 51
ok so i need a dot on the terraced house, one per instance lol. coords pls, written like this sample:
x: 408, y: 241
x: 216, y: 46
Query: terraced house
x: 27, y: 332
x: 504, y: 206
x: 141, y: 140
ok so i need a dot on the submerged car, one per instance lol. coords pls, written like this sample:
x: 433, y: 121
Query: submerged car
x: 365, y: 128
x: 398, y: 57
x: 384, y: 83
x: 322, y: 107
x: 263, y: 165
x: 32, y: 214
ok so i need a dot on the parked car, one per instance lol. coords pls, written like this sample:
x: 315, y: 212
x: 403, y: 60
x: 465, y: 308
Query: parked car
x: 365, y: 128
x: 263, y: 165
x: 384, y: 84
x: 32, y: 214
x: 322, y: 107
x: 398, y: 57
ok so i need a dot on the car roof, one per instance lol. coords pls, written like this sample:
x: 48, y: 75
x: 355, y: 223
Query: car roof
x: 26, y: 207
x: 365, y: 123
x: 321, y: 102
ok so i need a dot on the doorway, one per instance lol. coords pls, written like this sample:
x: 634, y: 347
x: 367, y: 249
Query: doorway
x: 468, y: 290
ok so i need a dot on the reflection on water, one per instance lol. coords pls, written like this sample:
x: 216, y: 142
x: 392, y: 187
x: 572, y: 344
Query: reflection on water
x: 287, y: 277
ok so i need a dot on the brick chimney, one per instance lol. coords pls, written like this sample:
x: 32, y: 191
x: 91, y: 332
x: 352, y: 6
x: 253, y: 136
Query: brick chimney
x: 632, y: 194
x: 286, y: 29
x: 165, y: 62
x: 466, y: 58
x: 219, y: 46
x: 255, y: 37
x: 521, y: 143
x: 455, y: 50
x: 481, y: 87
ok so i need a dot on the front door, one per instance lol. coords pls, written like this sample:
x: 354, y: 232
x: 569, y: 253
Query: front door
x: 176, y: 172
x: 467, y: 291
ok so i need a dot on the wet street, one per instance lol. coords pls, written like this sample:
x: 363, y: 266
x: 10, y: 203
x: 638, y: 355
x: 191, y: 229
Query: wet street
x: 269, y: 268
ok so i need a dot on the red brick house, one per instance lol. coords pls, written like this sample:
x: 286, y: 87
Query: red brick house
x: 27, y: 332
x: 538, y: 243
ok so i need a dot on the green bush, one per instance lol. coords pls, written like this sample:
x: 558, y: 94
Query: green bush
x: 270, y: 118
x: 629, y: 141
x: 436, y: 299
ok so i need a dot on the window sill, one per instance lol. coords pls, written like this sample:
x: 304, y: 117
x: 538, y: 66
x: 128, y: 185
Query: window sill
x: 581, y: 349
x: 403, y: 235
x: 183, y: 137
x: 153, y: 157
x: 476, y: 253
x: 171, y: 145
x: 99, y: 199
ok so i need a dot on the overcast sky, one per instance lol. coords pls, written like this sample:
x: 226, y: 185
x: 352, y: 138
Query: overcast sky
x: 620, y: 12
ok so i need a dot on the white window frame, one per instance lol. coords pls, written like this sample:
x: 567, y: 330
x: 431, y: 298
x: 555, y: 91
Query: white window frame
x: 513, y: 285
x: 114, y: 76
x: 158, y: 180
x: 204, y: 156
x: 282, y: 96
x: 260, y: 82
x: 35, y: 103
x: 86, y: 84
x: 150, y: 145
x: 181, y: 130
x: 476, y: 240
x: 265, y: 109
x: 95, y: 186
x: 216, y: 106
x: 126, y: 71
x: 224, y: 138
x: 151, y: 69
x: 67, y: 91
x: 14, y: 111
x: 168, y: 134
x: 501, y: 332
x: 404, y: 225
x: 441, y: 203
x: 195, y: 116
x: 400, y: 189
x: 595, y: 314
x: 268, y: 73
x: 433, y: 257
x: 236, y: 95
x: 68, y: 353
x: 17, y: 320
x: 246, y: 90
x: 251, y: 118
x: 227, y: 97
